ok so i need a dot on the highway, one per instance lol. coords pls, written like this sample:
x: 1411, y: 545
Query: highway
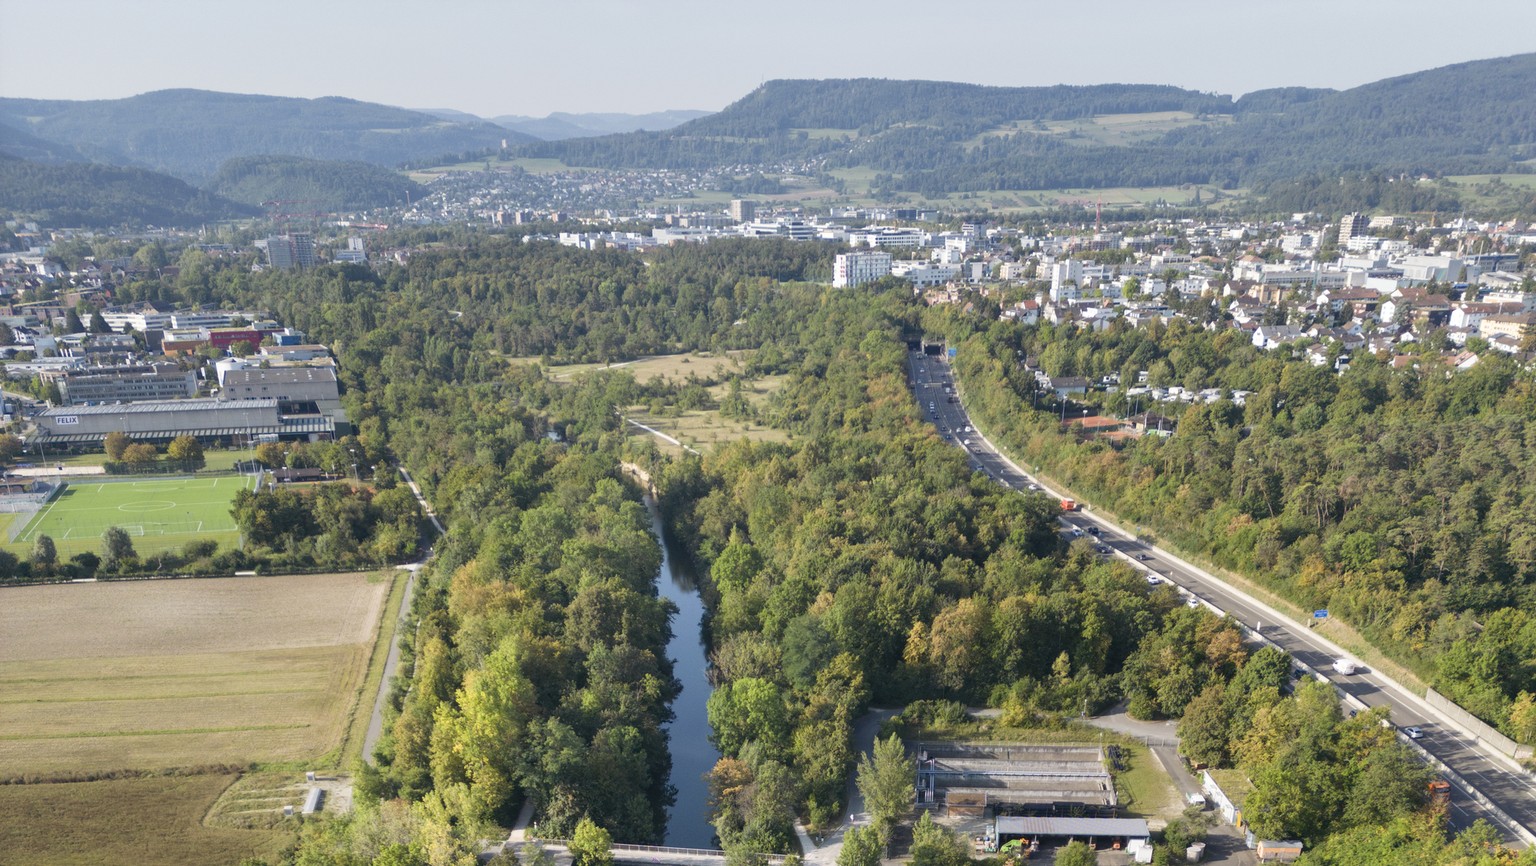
x: 1496, y: 777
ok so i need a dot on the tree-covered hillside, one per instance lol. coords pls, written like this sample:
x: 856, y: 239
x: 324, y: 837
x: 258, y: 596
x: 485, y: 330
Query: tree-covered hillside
x: 86, y: 194
x: 190, y: 133
x: 329, y: 185
x: 937, y: 137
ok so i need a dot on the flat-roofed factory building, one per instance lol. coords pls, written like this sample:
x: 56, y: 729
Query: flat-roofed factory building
x: 235, y: 422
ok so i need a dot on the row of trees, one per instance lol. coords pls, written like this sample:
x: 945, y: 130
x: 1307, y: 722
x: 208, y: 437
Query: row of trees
x: 183, y: 454
x: 329, y: 525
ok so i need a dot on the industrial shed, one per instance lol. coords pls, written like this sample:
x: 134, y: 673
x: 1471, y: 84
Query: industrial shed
x: 158, y: 422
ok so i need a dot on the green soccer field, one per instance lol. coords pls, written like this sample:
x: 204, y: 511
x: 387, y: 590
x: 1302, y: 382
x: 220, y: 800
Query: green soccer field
x: 159, y: 514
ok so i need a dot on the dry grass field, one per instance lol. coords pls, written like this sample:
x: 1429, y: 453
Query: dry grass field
x: 705, y: 365
x: 154, y: 674
x: 134, y: 822
x: 105, y: 677
x: 702, y: 429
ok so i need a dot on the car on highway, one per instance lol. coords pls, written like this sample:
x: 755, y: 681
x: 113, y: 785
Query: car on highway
x: 1142, y: 557
x: 1101, y: 549
x: 1414, y: 732
x: 1093, y: 530
x: 1077, y: 533
x: 1192, y: 602
x: 1034, y: 487
x: 1153, y: 580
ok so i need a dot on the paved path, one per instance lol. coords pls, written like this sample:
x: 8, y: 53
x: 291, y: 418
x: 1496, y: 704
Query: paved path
x: 826, y: 850
x: 1224, y: 844
x: 392, y: 661
x: 662, y: 436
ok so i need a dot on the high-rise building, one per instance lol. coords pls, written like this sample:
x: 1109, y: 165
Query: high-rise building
x: 1352, y: 224
x: 853, y: 269
x: 743, y: 211
x: 293, y: 250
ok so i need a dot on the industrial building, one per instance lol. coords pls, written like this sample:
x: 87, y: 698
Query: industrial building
x: 287, y: 384
x: 126, y: 384
x: 968, y: 779
x: 238, y: 422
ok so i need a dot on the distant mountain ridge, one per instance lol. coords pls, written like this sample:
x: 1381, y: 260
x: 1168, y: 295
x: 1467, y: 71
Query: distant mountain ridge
x: 190, y: 133
x: 940, y: 137
x: 561, y: 125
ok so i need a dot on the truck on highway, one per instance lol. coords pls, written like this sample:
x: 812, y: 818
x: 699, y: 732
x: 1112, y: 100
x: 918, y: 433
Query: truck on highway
x: 1069, y: 505
x: 1440, y: 794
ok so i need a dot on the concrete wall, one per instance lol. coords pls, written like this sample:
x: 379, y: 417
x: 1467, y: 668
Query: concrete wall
x: 1477, y: 726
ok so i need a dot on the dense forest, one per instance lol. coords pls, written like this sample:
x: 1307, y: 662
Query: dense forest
x: 92, y: 195
x: 1400, y: 499
x: 324, y: 185
x: 859, y: 562
x: 190, y: 133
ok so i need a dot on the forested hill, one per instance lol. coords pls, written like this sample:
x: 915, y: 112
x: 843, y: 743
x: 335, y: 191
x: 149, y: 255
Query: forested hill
x: 81, y: 194
x: 330, y: 185
x: 190, y: 133
x: 936, y: 137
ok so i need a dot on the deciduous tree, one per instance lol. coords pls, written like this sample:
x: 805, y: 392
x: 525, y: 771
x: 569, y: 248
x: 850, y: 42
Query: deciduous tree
x: 115, y: 444
x: 591, y: 845
x: 186, y: 449
x: 116, y: 546
x: 887, y: 782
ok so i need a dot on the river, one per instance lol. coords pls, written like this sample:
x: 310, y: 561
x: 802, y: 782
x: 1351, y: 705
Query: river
x: 693, y: 755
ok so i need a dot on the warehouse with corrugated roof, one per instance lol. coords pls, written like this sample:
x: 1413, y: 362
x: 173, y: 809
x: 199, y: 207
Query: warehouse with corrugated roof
x: 237, y: 422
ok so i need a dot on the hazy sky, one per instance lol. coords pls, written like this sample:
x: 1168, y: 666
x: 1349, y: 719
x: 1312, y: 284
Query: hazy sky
x: 494, y: 57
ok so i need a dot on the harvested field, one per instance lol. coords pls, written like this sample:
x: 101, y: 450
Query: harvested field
x: 135, y: 822
x: 179, y: 617
x: 154, y: 674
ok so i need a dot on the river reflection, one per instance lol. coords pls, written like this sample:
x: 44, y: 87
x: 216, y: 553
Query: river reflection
x: 692, y: 753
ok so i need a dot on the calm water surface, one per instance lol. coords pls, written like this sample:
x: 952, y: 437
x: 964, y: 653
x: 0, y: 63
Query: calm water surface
x: 692, y: 754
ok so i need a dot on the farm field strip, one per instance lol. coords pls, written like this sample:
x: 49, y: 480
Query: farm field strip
x: 116, y: 623
x: 146, y: 675
x: 95, y: 723
x: 105, y: 822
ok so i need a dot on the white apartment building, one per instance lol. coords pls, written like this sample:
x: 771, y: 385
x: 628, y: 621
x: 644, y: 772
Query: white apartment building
x: 853, y: 269
x: 888, y: 236
x: 141, y: 322
x: 924, y: 275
